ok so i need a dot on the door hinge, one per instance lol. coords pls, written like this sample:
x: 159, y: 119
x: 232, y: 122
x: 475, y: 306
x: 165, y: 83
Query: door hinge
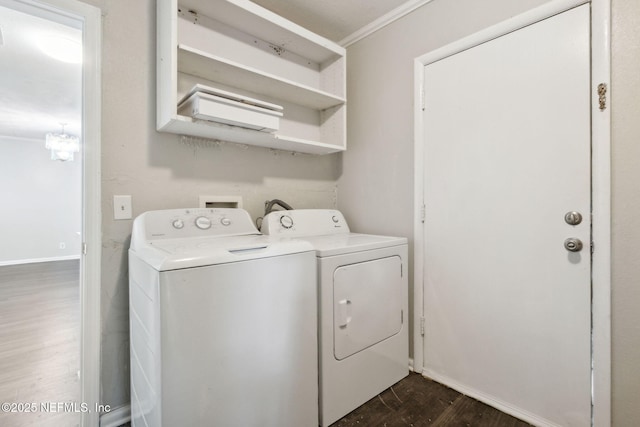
x: 401, y: 317
x: 602, y: 96
x: 422, y: 326
x: 84, y: 248
x: 423, y: 212
x: 401, y: 271
x: 592, y: 248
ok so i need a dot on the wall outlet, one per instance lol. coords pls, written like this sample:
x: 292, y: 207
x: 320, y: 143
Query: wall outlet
x: 122, y: 207
x: 63, y: 245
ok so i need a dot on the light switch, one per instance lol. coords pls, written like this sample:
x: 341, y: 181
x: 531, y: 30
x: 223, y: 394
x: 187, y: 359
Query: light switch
x: 122, y: 207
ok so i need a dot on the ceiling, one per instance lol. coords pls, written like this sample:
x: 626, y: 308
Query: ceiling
x: 38, y: 92
x: 333, y: 19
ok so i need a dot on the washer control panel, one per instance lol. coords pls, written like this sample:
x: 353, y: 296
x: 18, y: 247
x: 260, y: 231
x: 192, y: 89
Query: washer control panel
x: 180, y: 223
x: 304, y: 222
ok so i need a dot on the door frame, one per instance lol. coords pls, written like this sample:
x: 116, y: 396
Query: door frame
x: 600, y: 187
x: 90, y: 259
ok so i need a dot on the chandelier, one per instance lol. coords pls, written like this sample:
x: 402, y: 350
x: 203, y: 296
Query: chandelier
x: 62, y: 145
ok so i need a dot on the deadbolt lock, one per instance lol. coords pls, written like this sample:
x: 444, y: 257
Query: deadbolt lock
x: 573, y: 218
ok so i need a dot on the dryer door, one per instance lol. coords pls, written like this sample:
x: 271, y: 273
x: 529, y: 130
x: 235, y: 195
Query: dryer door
x: 367, y: 304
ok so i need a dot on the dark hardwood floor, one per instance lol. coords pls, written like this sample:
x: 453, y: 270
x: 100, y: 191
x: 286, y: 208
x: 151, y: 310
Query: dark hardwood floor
x: 416, y: 401
x: 39, y: 342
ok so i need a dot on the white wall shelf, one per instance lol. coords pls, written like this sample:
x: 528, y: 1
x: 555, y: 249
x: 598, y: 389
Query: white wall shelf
x: 213, y: 68
x: 267, y: 26
x: 238, y: 46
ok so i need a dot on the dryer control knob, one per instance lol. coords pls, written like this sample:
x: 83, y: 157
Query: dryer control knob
x: 286, y: 221
x: 203, y: 223
x: 335, y: 219
x: 178, y: 223
x: 225, y: 221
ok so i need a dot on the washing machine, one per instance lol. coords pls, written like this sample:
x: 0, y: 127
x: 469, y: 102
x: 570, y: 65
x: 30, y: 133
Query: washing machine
x: 363, y: 306
x: 223, y: 323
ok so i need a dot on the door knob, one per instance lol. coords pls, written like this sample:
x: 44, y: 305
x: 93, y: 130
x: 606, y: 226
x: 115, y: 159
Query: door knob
x: 573, y: 245
x: 573, y: 218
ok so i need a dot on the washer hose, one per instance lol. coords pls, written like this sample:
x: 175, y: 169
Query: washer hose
x: 269, y: 204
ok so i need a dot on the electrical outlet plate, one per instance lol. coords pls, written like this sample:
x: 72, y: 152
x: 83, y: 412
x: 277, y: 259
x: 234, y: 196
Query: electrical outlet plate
x: 122, y: 207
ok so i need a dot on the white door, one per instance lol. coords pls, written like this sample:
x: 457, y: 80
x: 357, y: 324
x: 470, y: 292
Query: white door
x: 507, y: 155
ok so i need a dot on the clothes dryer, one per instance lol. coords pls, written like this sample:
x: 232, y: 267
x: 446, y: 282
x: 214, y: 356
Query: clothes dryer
x: 363, y: 307
x: 223, y: 323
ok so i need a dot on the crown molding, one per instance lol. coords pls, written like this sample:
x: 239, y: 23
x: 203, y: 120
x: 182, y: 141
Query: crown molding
x: 382, y: 22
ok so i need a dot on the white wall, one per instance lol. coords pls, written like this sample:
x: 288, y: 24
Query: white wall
x: 41, y: 203
x: 625, y: 109
x: 160, y: 172
x: 377, y: 178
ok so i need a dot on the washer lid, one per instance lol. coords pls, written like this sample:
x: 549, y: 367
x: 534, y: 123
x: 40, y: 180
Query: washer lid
x: 340, y: 244
x: 185, y: 238
x: 174, y: 254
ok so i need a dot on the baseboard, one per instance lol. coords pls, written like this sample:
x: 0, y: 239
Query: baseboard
x: 489, y: 400
x: 116, y: 417
x: 411, y: 364
x: 35, y: 260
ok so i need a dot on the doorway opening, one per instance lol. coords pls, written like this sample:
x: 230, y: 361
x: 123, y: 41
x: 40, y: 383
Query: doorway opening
x: 50, y: 254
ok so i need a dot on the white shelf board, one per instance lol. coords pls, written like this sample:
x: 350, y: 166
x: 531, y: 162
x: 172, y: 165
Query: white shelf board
x: 306, y: 146
x: 268, y: 26
x: 214, y: 131
x: 211, y: 67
